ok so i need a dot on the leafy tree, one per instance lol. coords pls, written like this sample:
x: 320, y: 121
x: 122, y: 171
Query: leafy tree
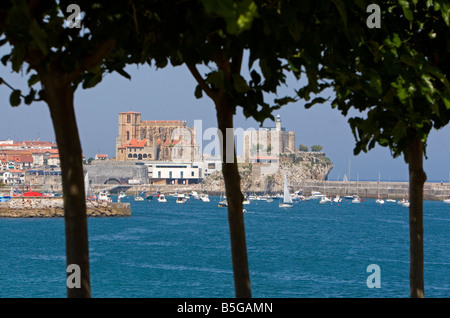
x: 213, y: 35
x: 316, y: 148
x: 302, y: 147
x: 397, y: 75
x: 61, y: 58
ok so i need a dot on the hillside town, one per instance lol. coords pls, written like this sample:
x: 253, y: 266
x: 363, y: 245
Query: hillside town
x: 165, y: 153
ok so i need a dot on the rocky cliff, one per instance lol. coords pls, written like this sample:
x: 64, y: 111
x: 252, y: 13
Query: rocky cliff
x: 269, y: 177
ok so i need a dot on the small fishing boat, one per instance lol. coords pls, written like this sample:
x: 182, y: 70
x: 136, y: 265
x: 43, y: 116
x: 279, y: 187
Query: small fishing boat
x: 162, y: 198
x: 204, y: 197
x: 181, y: 198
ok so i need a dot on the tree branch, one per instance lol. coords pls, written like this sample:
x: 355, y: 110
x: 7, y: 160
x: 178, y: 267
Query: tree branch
x: 100, y: 52
x: 204, y: 86
x: 236, y: 62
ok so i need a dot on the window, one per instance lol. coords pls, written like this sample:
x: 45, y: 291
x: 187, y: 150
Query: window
x: 128, y: 119
x: 181, y: 174
x: 128, y: 135
x: 159, y: 174
x: 192, y: 173
x: 145, y: 155
x: 170, y: 174
x: 130, y: 155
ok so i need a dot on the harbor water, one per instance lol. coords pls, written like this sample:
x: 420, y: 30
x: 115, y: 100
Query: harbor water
x: 175, y: 250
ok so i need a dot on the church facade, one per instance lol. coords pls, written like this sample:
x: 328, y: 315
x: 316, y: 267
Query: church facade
x: 165, y: 140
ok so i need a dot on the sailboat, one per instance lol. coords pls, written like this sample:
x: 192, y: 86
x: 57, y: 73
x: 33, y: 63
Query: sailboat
x: 287, y: 200
x: 324, y: 199
x: 222, y: 202
x: 379, y: 200
x: 356, y: 198
x: 137, y: 197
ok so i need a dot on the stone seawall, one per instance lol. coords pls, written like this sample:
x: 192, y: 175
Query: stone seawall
x: 370, y: 189
x: 28, y: 207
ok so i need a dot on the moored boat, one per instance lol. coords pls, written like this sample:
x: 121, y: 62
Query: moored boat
x: 162, y: 198
x: 287, y: 200
x: 181, y: 198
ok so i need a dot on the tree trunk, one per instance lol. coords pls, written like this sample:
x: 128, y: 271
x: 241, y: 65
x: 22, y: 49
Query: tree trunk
x: 417, y: 178
x: 225, y: 113
x: 59, y: 96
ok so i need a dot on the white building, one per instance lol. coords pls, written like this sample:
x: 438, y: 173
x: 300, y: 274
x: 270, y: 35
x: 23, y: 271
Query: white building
x: 13, y: 177
x: 174, y: 173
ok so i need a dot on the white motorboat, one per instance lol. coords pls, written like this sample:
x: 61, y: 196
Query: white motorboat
x: 446, y: 200
x: 195, y: 195
x: 104, y: 196
x: 122, y: 195
x: 138, y: 198
x: 379, y: 201
x: 287, y: 200
x: 337, y: 199
x: 405, y: 204
x: 390, y: 200
x: 356, y: 199
x: 181, y: 198
x: 316, y: 195
x: 324, y: 199
x: 162, y: 198
x: 205, y: 197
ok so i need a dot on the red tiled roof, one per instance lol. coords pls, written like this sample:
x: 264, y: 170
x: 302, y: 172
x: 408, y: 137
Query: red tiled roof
x: 17, y: 158
x: 36, y: 151
x: 134, y: 143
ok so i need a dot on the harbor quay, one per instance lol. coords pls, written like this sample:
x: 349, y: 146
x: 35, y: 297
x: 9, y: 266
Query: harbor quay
x: 46, y: 207
x: 372, y: 189
x: 364, y: 189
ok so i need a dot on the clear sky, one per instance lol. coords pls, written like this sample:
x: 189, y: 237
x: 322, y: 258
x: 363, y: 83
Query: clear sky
x: 168, y: 94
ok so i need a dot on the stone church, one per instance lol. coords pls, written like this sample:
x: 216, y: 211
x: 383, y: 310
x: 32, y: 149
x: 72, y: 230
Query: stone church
x: 166, y: 140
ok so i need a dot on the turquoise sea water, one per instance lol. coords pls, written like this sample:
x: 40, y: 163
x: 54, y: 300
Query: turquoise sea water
x: 182, y: 250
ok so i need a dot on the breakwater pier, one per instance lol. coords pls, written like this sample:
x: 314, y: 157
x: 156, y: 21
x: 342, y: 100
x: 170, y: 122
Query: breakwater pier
x: 365, y: 189
x: 28, y: 207
x: 371, y: 189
